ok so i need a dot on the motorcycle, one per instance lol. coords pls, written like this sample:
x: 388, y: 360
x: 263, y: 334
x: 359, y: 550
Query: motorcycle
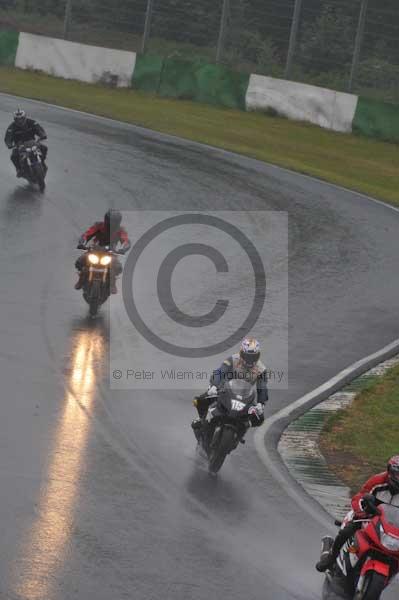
x: 228, y: 419
x: 369, y: 561
x: 96, y: 284
x: 32, y: 166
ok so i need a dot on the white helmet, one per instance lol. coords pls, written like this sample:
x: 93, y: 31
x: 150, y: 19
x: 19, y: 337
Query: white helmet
x: 250, y: 351
x: 20, y: 116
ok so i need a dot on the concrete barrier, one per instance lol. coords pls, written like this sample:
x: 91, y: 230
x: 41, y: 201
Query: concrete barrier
x: 70, y: 60
x: 302, y: 102
x: 198, y: 81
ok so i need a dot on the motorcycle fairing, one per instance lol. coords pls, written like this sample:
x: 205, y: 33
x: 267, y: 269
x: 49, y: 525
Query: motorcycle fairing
x: 377, y: 566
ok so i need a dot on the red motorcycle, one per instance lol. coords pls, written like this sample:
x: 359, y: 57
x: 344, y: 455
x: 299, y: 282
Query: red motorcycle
x: 369, y: 561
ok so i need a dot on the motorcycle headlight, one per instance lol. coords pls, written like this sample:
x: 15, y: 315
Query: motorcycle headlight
x: 93, y: 259
x: 389, y: 542
x: 105, y: 260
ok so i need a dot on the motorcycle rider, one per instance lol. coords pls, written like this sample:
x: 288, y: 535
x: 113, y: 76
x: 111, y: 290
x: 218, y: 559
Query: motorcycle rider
x: 381, y: 488
x: 244, y: 365
x: 104, y: 233
x: 23, y: 130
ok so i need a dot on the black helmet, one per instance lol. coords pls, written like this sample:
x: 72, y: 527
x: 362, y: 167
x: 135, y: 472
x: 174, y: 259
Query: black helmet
x: 113, y: 219
x: 20, y: 117
x: 393, y: 474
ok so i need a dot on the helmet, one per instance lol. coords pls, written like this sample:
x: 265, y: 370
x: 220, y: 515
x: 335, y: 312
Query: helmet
x: 20, y: 117
x: 250, y: 351
x: 393, y: 474
x: 113, y: 219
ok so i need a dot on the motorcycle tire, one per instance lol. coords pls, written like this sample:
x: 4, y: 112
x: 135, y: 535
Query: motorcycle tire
x: 334, y: 589
x: 374, y: 585
x: 217, y: 455
x: 39, y: 174
x: 94, y: 299
x: 93, y: 308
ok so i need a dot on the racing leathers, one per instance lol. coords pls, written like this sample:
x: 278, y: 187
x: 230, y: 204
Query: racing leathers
x: 102, y: 236
x: 375, y: 491
x: 234, y: 368
x: 17, y: 134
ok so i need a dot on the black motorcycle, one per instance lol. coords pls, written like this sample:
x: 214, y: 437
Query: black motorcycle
x: 97, y: 270
x: 32, y: 165
x: 229, y: 417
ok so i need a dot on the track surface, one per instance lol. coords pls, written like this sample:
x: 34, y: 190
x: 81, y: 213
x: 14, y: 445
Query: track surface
x: 100, y: 496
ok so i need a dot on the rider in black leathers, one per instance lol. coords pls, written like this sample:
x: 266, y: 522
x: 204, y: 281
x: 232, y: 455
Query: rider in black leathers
x: 244, y: 365
x: 23, y: 130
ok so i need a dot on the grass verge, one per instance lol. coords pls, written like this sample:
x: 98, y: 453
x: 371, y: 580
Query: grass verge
x: 357, y: 163
x: 358, y: 441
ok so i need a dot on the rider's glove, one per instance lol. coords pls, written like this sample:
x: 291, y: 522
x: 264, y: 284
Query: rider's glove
x: 368, y: 503
x: 212, y: 391
x: 81, y: 246
x: 257, y: 415
x: 257, y: 410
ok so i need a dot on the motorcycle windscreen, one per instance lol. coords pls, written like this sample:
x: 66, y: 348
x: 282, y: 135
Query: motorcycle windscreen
x: 242, y: 390
x: 391, y: 515
x: 238, y: 395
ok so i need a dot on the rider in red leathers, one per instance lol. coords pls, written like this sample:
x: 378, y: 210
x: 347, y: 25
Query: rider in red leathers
x: 381, y: 488
x: 104, y: 233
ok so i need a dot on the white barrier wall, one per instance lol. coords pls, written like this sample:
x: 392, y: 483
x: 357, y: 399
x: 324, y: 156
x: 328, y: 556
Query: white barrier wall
x: 298, y: 101
x: 302, y: 102
x: 75, y: 61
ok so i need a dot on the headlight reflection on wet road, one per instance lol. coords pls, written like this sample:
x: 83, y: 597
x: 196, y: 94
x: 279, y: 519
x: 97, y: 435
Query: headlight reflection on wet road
x: 43, y: 552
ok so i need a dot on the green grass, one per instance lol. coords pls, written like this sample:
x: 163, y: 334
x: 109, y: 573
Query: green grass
x: 357, y: 163
x: 358, y: 441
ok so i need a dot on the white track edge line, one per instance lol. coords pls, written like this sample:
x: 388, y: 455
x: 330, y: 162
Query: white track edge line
x: 261, y: 433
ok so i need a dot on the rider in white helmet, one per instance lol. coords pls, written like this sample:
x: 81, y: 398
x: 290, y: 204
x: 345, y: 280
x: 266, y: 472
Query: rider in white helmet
x: 246, y: 365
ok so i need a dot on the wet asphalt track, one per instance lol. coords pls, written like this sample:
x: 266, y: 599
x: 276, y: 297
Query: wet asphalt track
x: 101, y: 497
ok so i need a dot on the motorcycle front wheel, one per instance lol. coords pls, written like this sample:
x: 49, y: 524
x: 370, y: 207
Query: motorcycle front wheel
x: 39, y: 174
x: 374, y: 585
x: 218, y: 454
x: 94, y: 299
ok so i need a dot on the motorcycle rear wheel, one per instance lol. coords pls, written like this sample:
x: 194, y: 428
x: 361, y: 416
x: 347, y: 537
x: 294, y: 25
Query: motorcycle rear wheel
x: 374, y: 585
x: 218, y: 455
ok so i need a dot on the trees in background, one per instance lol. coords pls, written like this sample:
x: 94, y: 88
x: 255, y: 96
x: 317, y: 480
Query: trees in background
x: 257, y: 34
